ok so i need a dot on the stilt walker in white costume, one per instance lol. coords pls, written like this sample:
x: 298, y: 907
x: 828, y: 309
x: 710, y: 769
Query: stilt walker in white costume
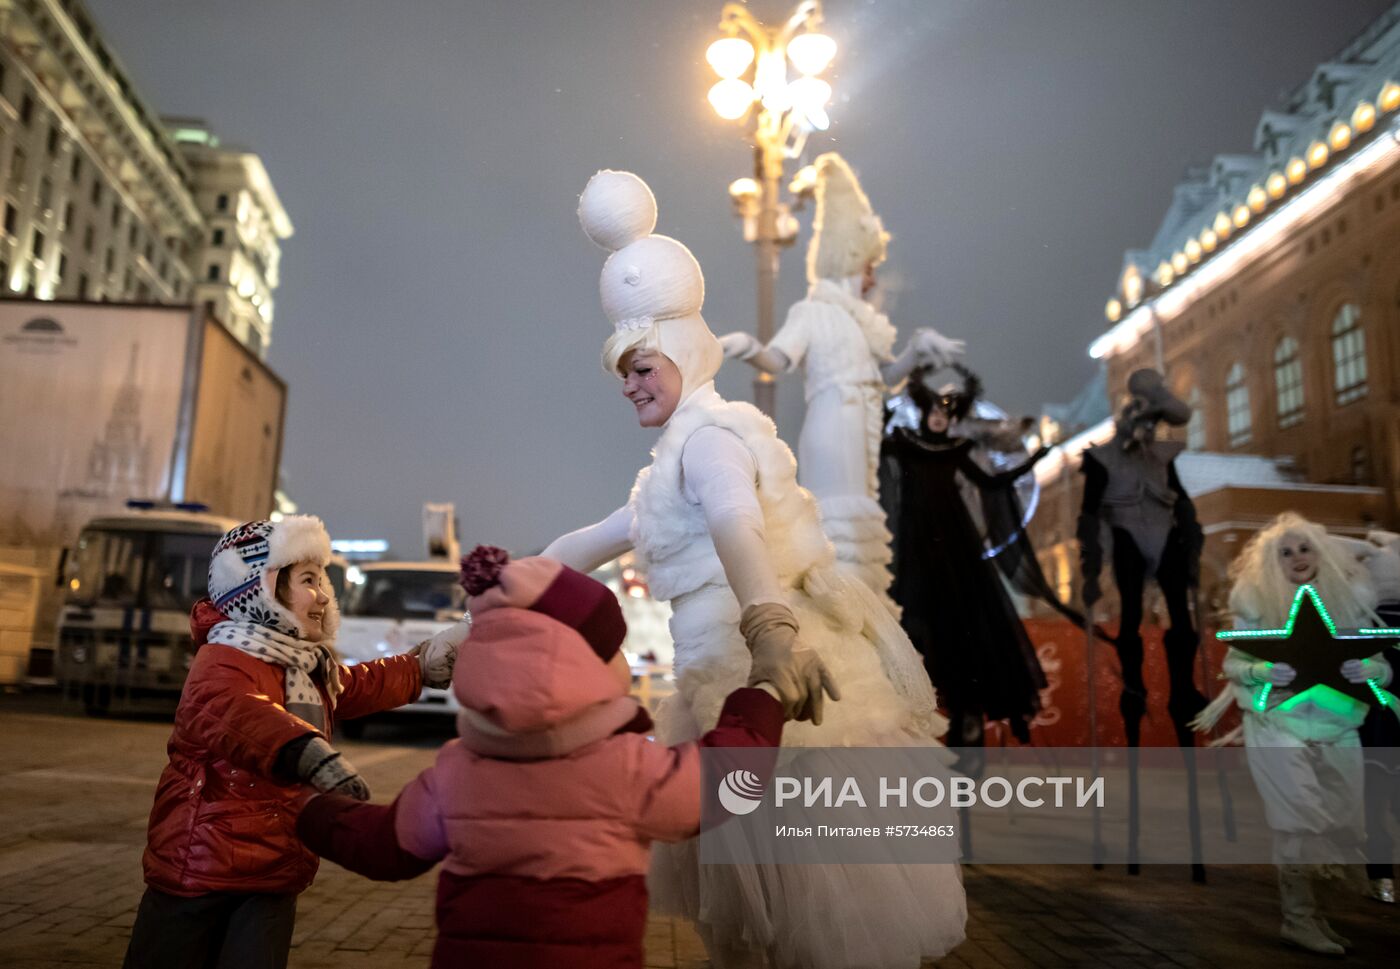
x: 1301, y: 740
x: 735, y: 545
x: 846, y: 349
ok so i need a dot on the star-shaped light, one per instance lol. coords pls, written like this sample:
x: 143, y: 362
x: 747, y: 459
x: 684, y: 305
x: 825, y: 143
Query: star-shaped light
x: 1312, y: 644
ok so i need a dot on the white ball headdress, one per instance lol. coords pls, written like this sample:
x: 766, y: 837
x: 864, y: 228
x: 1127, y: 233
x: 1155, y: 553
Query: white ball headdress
x: 847, y: 235
x: 648, y: 278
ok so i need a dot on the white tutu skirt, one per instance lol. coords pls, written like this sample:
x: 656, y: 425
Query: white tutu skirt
x: 889, y: 916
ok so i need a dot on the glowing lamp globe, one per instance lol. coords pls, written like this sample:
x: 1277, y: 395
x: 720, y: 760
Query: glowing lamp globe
x: 731, y: 98
x: 1339, y: 137
x: 1364, y: 117
x: 1277, y: 185
x: 1390, y: 96
x: 1297, y: 170
x: 811, y: 53
x: 730, y: 56
x: 1179, y: 263
x: 1114, y: 311
x: 1258, y: 199
x: 1241, y: 216
x: 1317, y: 154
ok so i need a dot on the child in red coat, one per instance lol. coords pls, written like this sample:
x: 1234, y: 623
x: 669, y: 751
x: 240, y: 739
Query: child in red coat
x: 223, y: 864
x: 543, y: 811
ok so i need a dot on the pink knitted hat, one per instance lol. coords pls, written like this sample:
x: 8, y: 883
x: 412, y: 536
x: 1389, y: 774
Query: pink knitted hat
x: 545, y: 586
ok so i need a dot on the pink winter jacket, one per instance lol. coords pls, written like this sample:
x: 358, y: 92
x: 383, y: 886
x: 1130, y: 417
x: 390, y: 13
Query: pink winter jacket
x: 543, y: 811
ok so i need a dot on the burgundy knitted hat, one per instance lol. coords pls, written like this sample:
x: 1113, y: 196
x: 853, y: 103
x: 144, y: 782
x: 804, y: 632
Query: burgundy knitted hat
x: 545, y: 586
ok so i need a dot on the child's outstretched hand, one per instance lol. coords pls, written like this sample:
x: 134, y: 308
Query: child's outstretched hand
x: 327, y: 770
x: 438, y: 654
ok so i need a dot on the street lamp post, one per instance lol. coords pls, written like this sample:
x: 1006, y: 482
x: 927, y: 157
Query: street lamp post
x: 751, y: 61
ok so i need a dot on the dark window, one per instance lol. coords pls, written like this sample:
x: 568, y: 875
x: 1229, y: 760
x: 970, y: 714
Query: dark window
x: 75, y: 167
x: 68, y: 216
x: 4, y: 74
x: 134, y: 235
x: 45, y: 193
x: 96, y: 192
x: 62, y: 266
x: 116, y: 214
x: 87, y: 239
x: 110, y: 261
x: 222, y: 203
x: 18, y: 163
x: 218, y: 237
x: 214, y: 273
x: 53, y: 140
x: 36, y: 246
x: 4, y: 274
x: 82, y: 286
x: 11, y: 217
x: 26, y: 109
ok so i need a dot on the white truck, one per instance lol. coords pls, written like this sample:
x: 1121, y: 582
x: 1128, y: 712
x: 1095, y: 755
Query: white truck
x: 389, y: 608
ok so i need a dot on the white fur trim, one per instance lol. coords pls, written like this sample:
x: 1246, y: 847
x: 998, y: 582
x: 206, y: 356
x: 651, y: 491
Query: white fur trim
x: 227, y: 571
x: 847, y: 234
x: 298, y: 538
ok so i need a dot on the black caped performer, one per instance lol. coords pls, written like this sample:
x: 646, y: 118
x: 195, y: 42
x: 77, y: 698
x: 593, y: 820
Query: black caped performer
x: 955, y: 607
x: 1130, y: 483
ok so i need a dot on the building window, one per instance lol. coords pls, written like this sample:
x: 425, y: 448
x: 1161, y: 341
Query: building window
x: 62, y: 267
x: 75, y: 167
x: 82, y: 286
x: 11, y: 218
x: 36, y: 246
x: 214, y: 273
x: 110, y: 260
x: 1360, y: 465
x: 218, y: 237
x: 68, y: 216
x: 1348, y: 355
x: 1237, y: 406
x: 45, y: 194
x: 1196, y: 426
x: 221, y: 203
x: 52, y: 143
x: 87, y: 239
x: 116, y: 214
x: 1288, y: 382
x: 18, y: 163
x: 26, y: 109
x: 96, y: 195
x: 4, y: 275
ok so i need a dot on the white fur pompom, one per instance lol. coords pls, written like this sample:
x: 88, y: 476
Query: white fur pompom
x: 616, y: 208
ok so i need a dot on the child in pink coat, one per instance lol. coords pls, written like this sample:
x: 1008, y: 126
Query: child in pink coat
x: 544, y: 809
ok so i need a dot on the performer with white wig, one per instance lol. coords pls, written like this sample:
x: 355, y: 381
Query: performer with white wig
x: 728, y: 537
x: 1302, y: 747
x: 846, y: 349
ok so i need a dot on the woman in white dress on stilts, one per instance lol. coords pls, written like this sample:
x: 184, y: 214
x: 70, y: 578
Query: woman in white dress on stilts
x: 728, y: 537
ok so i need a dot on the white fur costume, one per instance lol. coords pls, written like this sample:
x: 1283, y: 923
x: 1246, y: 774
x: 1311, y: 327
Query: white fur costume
x: 720, y: 524
x: 845, y: 348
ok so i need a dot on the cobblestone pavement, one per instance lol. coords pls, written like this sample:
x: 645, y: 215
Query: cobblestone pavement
x: 74, y: 794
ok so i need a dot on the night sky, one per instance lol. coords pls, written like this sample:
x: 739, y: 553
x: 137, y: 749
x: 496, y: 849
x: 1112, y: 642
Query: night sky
x: 438, y: 321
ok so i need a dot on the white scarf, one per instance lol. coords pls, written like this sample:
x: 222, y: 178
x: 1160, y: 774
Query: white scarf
x: 879, y: 332
x: 299, y: 659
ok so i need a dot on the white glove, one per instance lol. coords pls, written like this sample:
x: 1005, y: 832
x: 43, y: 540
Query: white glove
x: 739, y: 345
x: 933, y: 349
x: 1279, y: 674
x: 1361, y: 670
x: 437, y: 655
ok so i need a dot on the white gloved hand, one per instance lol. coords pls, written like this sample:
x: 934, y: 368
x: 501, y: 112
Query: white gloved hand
x: 933, y: 349
x: 739, y: 345
x: 1361, y: 670
x: 1279, y: 674
x: 438, y: 654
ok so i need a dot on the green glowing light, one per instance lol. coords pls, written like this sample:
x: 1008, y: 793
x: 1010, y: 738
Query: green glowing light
x: 1382, y: 697
x: 1306, y: 590
x: 1261, y: 696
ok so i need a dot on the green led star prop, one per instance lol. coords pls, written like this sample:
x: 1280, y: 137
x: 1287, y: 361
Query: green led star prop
x: 1312, y: 644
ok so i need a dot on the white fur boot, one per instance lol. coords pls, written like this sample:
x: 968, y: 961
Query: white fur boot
x: 1301, y: 927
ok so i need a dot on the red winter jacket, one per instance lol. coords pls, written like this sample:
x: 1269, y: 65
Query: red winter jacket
x: 221, y: 822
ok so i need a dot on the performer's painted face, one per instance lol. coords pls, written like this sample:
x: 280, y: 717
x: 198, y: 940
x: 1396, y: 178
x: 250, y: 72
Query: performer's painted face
x: 937, y: 420
x: 867, y: 281
x: 653, y: 384
x: 1297, y: 558
x: 300, y: 588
